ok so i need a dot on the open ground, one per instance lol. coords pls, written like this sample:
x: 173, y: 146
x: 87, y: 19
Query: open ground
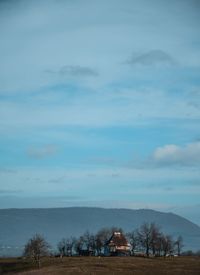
x: 104, y: 265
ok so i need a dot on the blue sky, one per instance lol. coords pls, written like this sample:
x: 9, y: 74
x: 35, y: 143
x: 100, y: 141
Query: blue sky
x: 100, y: 104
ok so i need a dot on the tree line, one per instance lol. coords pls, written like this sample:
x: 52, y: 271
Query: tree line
x: 147, y: 240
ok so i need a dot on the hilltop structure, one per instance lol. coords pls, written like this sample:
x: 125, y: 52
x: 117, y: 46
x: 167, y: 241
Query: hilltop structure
x: 117, y: 245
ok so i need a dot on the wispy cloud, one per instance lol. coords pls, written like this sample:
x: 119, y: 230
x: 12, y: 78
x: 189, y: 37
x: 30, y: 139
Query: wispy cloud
x: 7, y: 171
x: 98, y: 109
x: 102, y: 160
x: 42, y: 152
x: 194, y: 98
x: 57, y: 180
x: 84, y: 36
x: 152, y: 58
x: 74, y: 71
x: 9, y: 192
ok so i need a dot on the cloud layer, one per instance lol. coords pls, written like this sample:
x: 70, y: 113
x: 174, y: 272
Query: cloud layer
x: 171, y: 154
x: 100, y: 99
x: 42, y: 152
x: 74, y: 71
x: 152, y: 58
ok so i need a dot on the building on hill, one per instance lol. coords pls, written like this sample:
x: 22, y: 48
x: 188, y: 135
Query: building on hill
x: 117, y: 245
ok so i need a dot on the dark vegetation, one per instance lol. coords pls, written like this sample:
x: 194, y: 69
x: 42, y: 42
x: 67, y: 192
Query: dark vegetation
x: 147, y: 240
x: 36, y: 248
x: 13, y: 265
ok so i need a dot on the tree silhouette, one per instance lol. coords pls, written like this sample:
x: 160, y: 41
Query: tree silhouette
x: 36, y: 248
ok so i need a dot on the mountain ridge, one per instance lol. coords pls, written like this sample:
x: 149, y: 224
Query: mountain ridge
x: 18, y: 225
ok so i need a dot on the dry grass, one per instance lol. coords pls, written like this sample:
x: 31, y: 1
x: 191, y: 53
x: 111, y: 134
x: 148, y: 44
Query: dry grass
x: 114, y: 265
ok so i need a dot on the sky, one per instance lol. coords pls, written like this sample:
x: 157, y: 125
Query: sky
x: 100, y: 104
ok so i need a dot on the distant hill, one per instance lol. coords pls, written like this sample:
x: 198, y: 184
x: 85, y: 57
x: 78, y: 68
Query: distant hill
x: 18, y: 225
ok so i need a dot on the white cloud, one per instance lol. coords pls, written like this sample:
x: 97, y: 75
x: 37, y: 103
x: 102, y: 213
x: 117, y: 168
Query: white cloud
x: 176, y: 155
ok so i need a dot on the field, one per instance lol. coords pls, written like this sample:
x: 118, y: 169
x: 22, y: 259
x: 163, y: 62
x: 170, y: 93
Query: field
x: 104, y: 265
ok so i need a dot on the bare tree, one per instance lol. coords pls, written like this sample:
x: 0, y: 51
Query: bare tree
x: 87, y: 238
x: 78, y: 245
x: 159, y: 245
x: 179, y: 244
x: 89, y: 243
x: 101, y: 237
x: 155, y: 237
x: 144, y: 236
x: 62, y: 247
x: 147, y: 236
x: 133, y: 239
x: 69, y: 246
x: 93, y: 244
x: 167, y: 245
x: 36, y: 248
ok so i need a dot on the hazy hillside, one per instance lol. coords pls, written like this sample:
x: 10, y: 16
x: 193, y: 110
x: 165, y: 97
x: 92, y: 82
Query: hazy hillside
x: 18, y: 225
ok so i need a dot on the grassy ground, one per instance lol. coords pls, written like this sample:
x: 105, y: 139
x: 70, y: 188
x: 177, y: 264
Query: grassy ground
x: 107, y: 265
